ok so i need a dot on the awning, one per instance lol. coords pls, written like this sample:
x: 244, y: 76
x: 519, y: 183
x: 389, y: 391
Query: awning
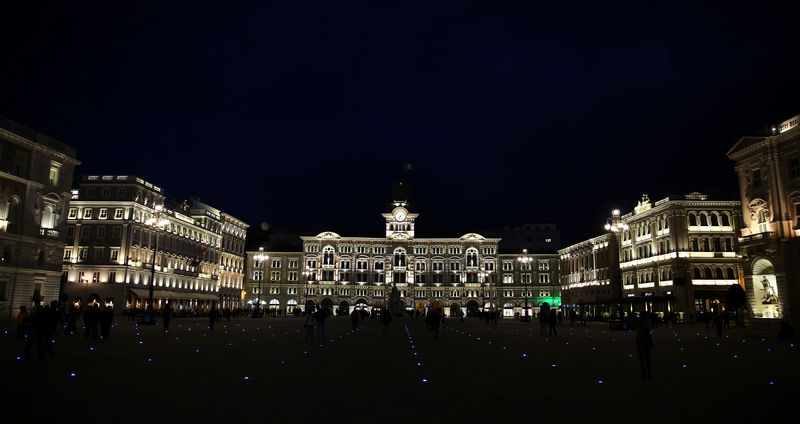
x: 168, y: 294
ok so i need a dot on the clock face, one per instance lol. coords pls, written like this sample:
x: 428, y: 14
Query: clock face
x: 400, y: 216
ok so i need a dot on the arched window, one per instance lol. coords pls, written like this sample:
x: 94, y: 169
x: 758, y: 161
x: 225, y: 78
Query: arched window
x: 726, y: 220
x: 692, y: 220
x: 703, y: 220
x: 697, y: 274
x: 399, y: 257
x: 666, y: 223
x: 472, y: 257
x: 731, y: 274
x: 714, y: 220
x: 327, y: 255
x: 720, y: 276
x: 708, y: 274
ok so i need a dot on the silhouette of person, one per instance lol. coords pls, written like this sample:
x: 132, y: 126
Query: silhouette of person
x: 644, y: 343
x: 166, y: 315
x: 22, y: 316
x: 552, y: 319
x: 106, y: 318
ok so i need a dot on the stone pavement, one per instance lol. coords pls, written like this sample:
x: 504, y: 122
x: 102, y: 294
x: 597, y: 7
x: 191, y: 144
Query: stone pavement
x: 261, y: 371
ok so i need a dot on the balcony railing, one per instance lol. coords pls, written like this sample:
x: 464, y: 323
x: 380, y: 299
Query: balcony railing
x: 48, y: 233
x: 767, y: 235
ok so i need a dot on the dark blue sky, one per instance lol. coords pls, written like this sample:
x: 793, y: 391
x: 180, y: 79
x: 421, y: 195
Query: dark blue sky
x: 304, y: 113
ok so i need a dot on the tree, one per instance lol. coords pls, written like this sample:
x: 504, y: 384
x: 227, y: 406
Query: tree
x: 736, y: 299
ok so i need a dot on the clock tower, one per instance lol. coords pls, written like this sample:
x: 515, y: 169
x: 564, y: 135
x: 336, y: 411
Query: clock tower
x: 399, y: 222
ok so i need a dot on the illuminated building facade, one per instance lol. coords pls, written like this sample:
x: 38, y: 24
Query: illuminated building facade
x: 462, y: 274
x: 590, y: 278
x: 35, y: 181
x: 768, y: 167
x: 116, y: 223
x: 231, y: 252
x: 675, y: 255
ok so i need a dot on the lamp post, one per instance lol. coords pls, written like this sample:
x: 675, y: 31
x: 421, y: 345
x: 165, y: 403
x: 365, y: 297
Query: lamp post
x: 306, y: 275
x: 525, y: 259
x: 614, y: 224
x: 156, y: 222
x: 259, y: 257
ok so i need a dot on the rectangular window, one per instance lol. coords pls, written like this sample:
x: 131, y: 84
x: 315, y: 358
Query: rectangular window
x: 379, y: 266
x: 275, y: 276
x: 82, y: 254
x: 67, y: 254
x: 454, y: 266
x: 274, y: 290
x: 293, y: 263
x: 55, y: 172
x: 344, y: 265
x: 112, y: 277
x: 292, y: 275
x: 118, y: 213
x: 438, y: 266
x: 420, y: 266
x: 103, y: 213
x: 380, y: 278
x: 420, y: 279
x: 361, y: 265
x: 98, y: 254
x: 488, y: 266
x: 344, y: 277
x: 544, y: 266
x: 508, y: 266
x: 73, y: 213
x: 95, y: 277
x: 114, y: 254
x: 101, y: 231
x: 276, y: 263
x: 311, y: 264
x: 87, y: 213
x: 258, y: 275
x: 526, y: 278
x: 508, y: 278
x: 544, y: 278
x: 327, y: 275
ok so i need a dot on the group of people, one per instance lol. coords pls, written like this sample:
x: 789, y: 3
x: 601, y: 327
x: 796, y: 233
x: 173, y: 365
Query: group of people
x: 38, y: 328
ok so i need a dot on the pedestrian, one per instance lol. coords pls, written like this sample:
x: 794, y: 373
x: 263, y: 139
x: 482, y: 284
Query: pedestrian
x: 22, y: 316
x: 35, y: 332
x: 72, y: 319
x: 436, y: 321
x: 320, y: 316
x: 387, y: 319
x: 49, y: 325
x: 718, y: 323
x: 106, y: 318
x: 543, y: 315
x: 644, y: 343
x: 309, y: 327
x: 212, y: 316
x: 552, y: 320
x: 166, y: 315
x: 91, y: 319
x: 354, y: 319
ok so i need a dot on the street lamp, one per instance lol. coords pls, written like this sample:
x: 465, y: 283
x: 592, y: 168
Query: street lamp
x: 525, y: 259
x: 614, y: 224
x: 259, y: 257
x: 156, y: 222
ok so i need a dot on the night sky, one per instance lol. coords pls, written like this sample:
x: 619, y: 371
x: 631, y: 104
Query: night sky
x: 305, y: 113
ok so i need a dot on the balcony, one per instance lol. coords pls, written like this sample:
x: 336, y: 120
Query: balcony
x: 765, y: 236
x: 48, y: 233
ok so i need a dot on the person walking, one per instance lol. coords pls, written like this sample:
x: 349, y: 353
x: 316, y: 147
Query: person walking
x: 644, y: 344
x: 22, y: 316
x: 354, y: 319
x: 718, y: 323
x: 543, y: 316
x: 436, y: 322
x: 106, y: 318
x: 212, y: 316
x: 552, y: 320
x: 387, y: 320
x: 166, y: 315
x: 320, y: 317
x: 308, y: 325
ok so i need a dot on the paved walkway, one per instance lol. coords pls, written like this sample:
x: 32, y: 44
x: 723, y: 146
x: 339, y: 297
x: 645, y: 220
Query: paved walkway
x: 263, y: 371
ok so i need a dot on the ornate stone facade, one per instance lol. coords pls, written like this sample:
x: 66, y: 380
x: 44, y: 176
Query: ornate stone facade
x: 35, y: 181
x: 768, y: 167
x: 464, y: 274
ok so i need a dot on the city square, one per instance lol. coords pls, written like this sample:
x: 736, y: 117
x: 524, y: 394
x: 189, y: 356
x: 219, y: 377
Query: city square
x: 398, y: 212
x: 262, y: 370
